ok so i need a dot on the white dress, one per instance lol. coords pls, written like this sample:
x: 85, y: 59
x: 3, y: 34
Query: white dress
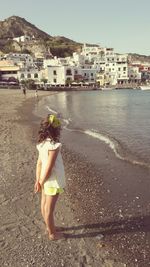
x: 57, y: 176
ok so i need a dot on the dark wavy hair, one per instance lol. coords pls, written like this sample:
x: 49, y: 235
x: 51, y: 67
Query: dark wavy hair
x: 48, y: 131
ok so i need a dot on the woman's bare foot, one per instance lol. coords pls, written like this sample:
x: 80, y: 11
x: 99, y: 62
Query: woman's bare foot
x: 56, y: 236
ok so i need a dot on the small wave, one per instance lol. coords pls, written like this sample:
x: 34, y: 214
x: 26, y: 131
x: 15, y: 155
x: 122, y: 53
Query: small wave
x: 112, y: 144
x: 101, y: 137
x: 51, y: 110
x: 66, y: 121
x: 106, y: 140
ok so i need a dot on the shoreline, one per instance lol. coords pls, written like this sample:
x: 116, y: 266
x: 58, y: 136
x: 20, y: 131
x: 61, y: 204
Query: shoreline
x: 23, y: 234
x: 60, y: 89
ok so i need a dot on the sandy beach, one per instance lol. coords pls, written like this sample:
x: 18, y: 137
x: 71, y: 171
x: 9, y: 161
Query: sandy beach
x: 91, y: 240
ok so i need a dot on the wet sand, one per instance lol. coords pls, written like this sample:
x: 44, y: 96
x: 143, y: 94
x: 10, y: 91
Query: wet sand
x: 82, y: 210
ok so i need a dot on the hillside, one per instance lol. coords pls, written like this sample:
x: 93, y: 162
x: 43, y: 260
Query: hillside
x: 16, y: 26
x: 60, y: 46
x: 140, y: 58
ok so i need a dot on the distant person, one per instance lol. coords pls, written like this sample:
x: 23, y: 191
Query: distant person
x: 50, y: 176
x: 23, y: 88
x: 36, y: 93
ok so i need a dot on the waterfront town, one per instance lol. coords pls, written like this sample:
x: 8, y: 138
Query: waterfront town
x: 93, y: 66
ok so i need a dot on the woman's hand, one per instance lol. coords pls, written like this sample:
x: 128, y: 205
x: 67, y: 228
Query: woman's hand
x: 37, y: 187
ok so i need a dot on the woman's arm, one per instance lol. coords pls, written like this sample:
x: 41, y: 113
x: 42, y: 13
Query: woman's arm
x: 52, y: 155
x: 37, y: 186
x: 38, y: 169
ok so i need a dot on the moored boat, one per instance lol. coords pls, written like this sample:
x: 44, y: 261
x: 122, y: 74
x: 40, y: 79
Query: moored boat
x: 107, y: 88
x: 145, y: 87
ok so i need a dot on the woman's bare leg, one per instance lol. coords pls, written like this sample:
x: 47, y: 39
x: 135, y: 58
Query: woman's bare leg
x: 49, y: 213
x: 43, y: 201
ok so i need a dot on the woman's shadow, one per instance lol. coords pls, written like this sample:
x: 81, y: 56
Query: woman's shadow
x: 135, y: 224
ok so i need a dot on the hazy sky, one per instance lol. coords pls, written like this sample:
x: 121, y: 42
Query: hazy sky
x: 122, y: 24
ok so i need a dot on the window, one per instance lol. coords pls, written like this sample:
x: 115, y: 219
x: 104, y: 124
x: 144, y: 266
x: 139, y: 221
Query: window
x: 36, y: 75
x: 22, y: 76
x: 124, y: 68
x: 68, y: 72
x: 55, y: 80
x: 13, y: 72
x: 29, y: 76
x: 91, y: 74
x: 54, y: 72
x: 119, y: 69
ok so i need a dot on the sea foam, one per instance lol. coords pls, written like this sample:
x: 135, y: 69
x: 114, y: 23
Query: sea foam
x: 104, y: 139
x: 114, y: 146
x: 51, y: 110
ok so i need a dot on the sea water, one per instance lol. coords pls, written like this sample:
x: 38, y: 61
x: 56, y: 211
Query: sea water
x: 118, y: 118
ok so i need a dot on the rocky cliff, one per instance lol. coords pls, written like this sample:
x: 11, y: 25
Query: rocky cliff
x: 16, y: 26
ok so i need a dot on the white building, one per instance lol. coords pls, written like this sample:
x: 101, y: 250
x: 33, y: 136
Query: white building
x: 60, y: 75
x: 58, y: 62
x: 111, y: 73
x: 8, y: 70
x: 116, y: 67
x: 92, y: 50
x: 111, y: 67
x: 22, y: 60
x: 39, y: 60
x: 23, y: 38
x: 106, y: 60
x: 88, y: 75
x: 29, y: 74
x: 78, y: 59
x: 134, y: 74
x: 122, y: 69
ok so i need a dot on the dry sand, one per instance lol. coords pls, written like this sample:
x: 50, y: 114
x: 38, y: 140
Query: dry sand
x: 22, y: 238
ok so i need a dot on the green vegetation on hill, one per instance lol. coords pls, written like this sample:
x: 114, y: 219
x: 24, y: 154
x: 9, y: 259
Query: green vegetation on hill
x: 62, y: 47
